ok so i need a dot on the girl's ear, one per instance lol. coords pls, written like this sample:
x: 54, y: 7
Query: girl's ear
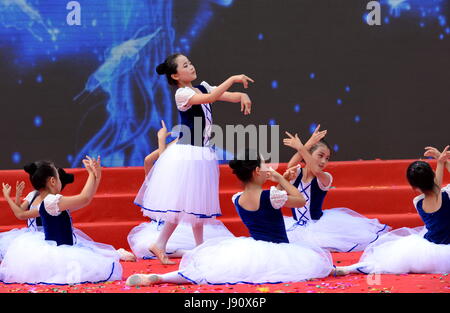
x: 258, y: 171
x: 175, y: 76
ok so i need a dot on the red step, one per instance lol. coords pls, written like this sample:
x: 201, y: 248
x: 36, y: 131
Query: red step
x: 376, y: 189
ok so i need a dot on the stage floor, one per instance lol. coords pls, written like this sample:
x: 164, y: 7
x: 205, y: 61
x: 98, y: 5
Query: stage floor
x: 356, y: 283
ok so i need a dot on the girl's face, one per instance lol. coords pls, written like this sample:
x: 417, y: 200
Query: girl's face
x: 185, y: 70
x: 322, y: 156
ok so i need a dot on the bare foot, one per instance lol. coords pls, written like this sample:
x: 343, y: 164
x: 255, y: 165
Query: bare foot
x: 339, y: 271
x: 161, y: 255
x: 126, y: 256
x: 143, y: 280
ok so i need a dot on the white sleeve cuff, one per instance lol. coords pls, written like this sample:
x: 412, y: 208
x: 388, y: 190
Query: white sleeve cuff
x: 51, y: 203
x: 446, y: 189
x: 233, y: 198
x: 208, y: 87
x: 30, y: 196
x: 277, y: 197
x: 182, y: 97
x: 325, y: 188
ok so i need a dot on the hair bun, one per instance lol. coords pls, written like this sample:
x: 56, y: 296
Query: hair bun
x: 30, y: 168
x: 161, y: 69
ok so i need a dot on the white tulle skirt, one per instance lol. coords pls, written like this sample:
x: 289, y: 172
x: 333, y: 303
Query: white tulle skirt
x: 245, y: 260
x: 9, y: 236
x: 142, y: 236
x: 404, y: 251
x: 31, y: 259
x: 338, y: 230
x: 183, y: 186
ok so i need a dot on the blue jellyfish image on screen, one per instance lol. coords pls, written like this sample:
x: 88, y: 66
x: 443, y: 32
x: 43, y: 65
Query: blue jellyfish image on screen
x: 129, y: 39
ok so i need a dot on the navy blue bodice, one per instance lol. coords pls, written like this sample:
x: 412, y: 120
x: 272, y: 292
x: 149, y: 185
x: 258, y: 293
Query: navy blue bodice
x: 187, y: 118
x: 316, y: 199
x: 57, y: 228
x: 437, y: 223
x: 266, y: 223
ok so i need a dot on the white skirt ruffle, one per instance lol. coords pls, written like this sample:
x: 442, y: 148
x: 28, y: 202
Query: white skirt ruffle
x: 183, y: 186
x: 31, y: 259
x: 338, y: 230
x: 404, y: 251
x: 9, y: 236
x: 245, y: 260
x: 142, y: 236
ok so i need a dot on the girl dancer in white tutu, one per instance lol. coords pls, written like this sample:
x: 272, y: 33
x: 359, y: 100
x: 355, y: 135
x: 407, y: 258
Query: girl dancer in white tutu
x: 337, y: 229
x: 33, y: 224
x: 182, y: 187
x: 422, y: 249
x: 181, y: 239
x: 56, y: 256
x: 266, y: 256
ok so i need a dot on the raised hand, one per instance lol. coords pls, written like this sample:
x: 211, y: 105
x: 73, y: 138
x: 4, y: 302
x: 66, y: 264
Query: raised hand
x: 274, y: 176
x: 162, y: 132
x: 6, y: 190
x: 291, y: 173
x: 246, y: 104
x: 96, y: 166
x: 243, y: 79
x: 432, y: 152
x: 19, y: 188
x: 316, y: 136
x: 444, y: 156
x: 293, y: 142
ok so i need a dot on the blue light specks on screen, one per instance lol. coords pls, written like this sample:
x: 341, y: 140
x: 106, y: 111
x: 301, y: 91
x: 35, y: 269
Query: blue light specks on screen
x: 37, y: 121
x: 312, y: 75
x: 339, y: 101
x: 272, y: 122
x: 427, y: 12
x: 297, y: 108
x: 274, y: 84
x: 357, y: 119
x: 312, y: 128
x: 16, y: 157
x: 336, y: 147
x: 260, y: 36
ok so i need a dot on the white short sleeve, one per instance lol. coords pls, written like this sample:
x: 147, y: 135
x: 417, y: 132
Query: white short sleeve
x: 182, y: 97
x: 208, y: 87
x: 446, y: 189
x: 277, y: 197
x: 326, y: 188
x: 51, y: 204
x: 233, y: 198
x: 417, y: 199
x: 30, y: 196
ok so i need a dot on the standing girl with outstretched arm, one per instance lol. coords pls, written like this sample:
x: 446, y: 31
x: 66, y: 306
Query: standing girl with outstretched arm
x: 183, y: 185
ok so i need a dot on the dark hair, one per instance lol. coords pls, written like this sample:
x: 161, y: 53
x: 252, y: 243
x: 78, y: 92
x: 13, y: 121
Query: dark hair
x: 421, y: 175
x: 244, y: 164
x: 65, y: 178
x: 321, y: 142
x: 39, y: 172
x: 169, y: 67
